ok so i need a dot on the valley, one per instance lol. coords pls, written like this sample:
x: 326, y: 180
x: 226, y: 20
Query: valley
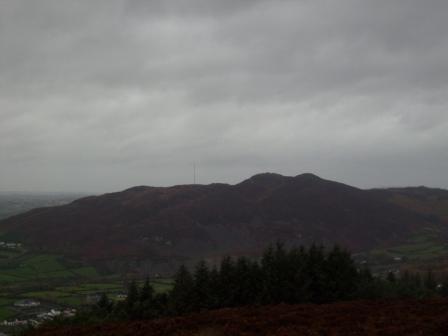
x: 13, y: 203
x: 54, y: 282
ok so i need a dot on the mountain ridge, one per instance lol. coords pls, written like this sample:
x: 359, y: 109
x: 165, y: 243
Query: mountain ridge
x: 185, y: 222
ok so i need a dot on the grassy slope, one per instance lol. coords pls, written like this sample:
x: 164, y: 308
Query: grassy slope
x: 426, y: 248
x: 423, y: 245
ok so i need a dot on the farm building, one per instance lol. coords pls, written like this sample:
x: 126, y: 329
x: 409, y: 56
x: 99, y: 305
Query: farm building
x: 27, y: 303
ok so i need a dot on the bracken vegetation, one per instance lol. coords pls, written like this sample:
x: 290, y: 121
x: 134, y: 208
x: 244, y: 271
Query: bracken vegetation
x: 360, y: 318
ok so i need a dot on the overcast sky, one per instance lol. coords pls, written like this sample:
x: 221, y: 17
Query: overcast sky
x: 101, y: 95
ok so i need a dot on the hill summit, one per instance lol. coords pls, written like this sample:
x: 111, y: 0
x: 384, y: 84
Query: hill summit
x: 171, y: 225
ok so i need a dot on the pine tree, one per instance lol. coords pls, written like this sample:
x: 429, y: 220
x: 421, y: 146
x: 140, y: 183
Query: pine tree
x: 202, y: 289
x: 104, y: 306
x: 214, y: 288
x: 391, y: 277
x: 226, y: 282
x: 244, y: 287
x: 253, y: 283
x: 132, y: 300
x: 367, y: 287
x: 300, y: 291
x: 146, y: 301
x: 160, y: 305
x: 443, y: 291
x: 182, y: 295
x: 430, y: 283
x: 408, y: 286
x: 284, y: 274
x: 340, y: 275
x: 315, y: 270
x: 269, y: 276
x: 147, y: 291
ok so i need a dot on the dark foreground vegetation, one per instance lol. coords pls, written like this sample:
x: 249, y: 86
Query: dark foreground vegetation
x: 359, y: 318
x: 280, y: 276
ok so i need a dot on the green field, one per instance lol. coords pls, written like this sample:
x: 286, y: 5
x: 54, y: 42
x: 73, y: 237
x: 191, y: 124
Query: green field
x: 76, y: 295
x: 5, y: 308
x: 38, y: 268
x: 420, y: 248
x: 54, y: 281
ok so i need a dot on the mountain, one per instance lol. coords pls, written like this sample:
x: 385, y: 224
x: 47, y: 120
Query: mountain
x: 170, y: 225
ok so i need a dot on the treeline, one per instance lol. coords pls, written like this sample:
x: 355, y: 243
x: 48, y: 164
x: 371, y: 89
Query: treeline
x: 297, y: 275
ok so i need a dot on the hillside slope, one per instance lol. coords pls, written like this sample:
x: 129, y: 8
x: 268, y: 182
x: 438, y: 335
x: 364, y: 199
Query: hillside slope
x: 174, y: 224
x: 394, y: 318
x: 430, y: 202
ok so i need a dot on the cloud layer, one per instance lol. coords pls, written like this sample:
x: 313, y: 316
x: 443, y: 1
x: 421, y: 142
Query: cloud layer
x: 100, y: 95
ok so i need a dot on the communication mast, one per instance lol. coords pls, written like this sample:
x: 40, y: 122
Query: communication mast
x: 194, y: 173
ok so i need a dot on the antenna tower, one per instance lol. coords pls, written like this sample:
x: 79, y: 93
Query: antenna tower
x: 194, y: 173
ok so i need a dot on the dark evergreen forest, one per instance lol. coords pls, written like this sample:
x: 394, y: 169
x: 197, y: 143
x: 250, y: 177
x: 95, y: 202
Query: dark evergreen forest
x: 281, y: 275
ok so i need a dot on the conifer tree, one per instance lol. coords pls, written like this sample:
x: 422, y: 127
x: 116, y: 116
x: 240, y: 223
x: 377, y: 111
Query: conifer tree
x: 182, y: 295
x: 104, y: 306
x: 269, y: 276
x: 132, y: 300
x: 340, y: 275
x: 245, y: 288
x: 214, y: 288
x: 253, y: 283
x: 147, y: 291
x: 226, y: 282
x: 315, y: 272
x: 406, y: 287
x: 430, y: 283
x: 202, y: 289
x: 300, y: 291
x: 443, y: 291
x: 367, y: 287
x: 391, y: 277
x: 147, y: 305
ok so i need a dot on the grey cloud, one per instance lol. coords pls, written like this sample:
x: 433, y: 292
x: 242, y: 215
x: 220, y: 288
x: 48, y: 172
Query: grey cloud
x: 103, y: 94
x: 191, y: 8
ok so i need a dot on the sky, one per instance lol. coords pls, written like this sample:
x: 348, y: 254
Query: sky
x: 102, y: 95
